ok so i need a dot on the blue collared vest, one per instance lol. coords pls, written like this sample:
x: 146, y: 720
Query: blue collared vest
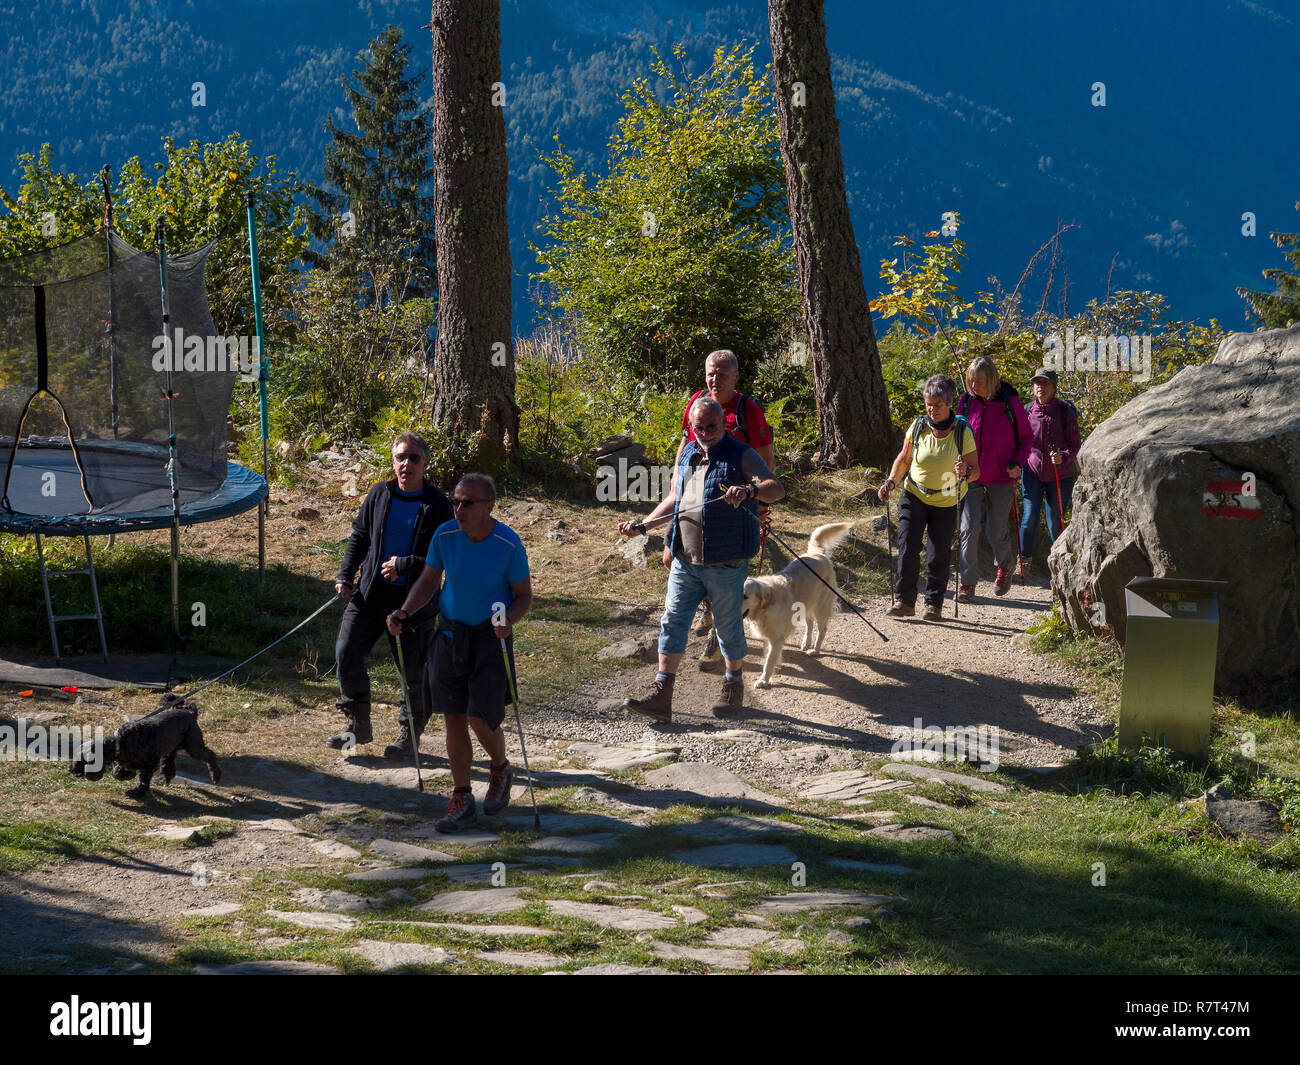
x: 728, y: 532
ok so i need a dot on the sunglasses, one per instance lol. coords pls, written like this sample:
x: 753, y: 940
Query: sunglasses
x: 409, y: 456
x: 458, y: 503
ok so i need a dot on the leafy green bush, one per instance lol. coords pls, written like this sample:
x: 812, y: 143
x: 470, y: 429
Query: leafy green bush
x: 1148, y: 769
x: 946, y: 331
x: 1285, y: 795
x: 683, y: 246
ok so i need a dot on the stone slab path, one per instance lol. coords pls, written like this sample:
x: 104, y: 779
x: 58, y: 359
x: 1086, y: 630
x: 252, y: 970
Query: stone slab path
x: 804, y: 783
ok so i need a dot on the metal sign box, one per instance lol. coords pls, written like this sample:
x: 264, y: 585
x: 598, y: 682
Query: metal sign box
x: 1170, y: 652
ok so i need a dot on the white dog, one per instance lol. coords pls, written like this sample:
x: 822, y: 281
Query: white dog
x: 774, y: 604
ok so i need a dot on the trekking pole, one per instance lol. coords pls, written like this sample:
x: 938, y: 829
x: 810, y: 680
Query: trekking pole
x: 1060, y: 507
x: 956, y: 566
x: 514, y: 695
x: 1020, y: 540
x: 889, y: 543
x: 408, y: 711
x: 956, y: 539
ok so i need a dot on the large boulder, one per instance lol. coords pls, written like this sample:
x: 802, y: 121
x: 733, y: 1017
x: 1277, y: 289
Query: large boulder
x: 1159, y: 494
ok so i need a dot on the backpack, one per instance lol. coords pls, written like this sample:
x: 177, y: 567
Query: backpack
x: 742, y: 401
x: 1065, y: 432
x: 1006, y: 409
x: 918, y: 426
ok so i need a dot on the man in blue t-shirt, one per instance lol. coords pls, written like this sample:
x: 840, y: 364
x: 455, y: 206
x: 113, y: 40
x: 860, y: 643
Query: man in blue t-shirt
x: 487, y: 590
x: 390, y: 537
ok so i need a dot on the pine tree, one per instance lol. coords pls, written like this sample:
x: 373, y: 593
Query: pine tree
x: 374, y: 206
x: 473, y: 361
x: 1277, y: 310
x: 852, y: 404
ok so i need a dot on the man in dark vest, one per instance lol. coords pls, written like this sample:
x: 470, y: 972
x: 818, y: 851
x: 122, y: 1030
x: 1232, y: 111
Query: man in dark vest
x: 746, y: 422
x: 711, y: 548
x: 390, y: 537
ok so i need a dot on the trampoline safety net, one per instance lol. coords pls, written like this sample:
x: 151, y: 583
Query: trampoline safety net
x: 85, y: 374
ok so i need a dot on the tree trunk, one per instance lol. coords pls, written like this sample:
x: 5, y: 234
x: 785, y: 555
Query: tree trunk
x: 473, y: 361
x: 852, y: 405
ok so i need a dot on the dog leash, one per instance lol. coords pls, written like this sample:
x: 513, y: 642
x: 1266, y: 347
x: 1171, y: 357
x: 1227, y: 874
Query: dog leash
x: 311, y: 617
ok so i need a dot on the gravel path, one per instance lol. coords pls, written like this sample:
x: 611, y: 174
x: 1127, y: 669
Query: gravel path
x: 854, y: 697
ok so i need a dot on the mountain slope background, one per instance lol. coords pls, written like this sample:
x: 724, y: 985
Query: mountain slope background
x: 981, y: 109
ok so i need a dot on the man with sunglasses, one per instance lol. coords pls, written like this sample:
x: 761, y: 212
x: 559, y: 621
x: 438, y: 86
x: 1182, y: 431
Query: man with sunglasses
x: 713, y: 535
x: 390, y: 537
x: 487, y: 590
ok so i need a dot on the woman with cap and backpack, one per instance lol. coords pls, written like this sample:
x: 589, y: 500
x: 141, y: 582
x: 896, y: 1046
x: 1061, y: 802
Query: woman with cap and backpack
x: 938, y: 456
x: 1002, y: 436
x: 1050, y: 470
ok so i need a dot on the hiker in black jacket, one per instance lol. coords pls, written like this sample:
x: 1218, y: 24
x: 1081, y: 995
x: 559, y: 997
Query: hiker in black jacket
x: 390, y: 537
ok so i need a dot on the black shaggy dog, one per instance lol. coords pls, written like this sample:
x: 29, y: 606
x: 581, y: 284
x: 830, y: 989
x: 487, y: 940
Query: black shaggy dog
x: 148, y: 742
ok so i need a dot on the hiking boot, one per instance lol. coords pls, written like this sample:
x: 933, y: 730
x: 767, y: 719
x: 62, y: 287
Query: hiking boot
x: 1002, y: 584
x: 706, y: 622
x: 461, y: 813
x: 498, y: 791
x: 712, y: 653
x: 657, y: 703
x: 358, y: 730
x: 400, y: 748
x: 933, y: 612
x: 967, y: 594
x: 732, y: 698
x: 901, y: 610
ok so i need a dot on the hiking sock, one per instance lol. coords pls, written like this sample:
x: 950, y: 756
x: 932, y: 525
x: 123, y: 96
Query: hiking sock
x: 664, y: 678
x: 733, y: 674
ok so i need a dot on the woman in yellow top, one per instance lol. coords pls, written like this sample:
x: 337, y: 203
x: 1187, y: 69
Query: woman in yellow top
x: 939, y: 456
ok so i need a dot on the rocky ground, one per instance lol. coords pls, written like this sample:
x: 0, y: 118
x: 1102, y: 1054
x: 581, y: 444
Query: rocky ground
x: 776, y: 840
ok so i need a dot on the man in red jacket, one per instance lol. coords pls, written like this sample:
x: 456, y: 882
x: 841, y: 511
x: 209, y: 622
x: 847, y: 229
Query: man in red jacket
x: 1003, y: 438
x: 745, y: 421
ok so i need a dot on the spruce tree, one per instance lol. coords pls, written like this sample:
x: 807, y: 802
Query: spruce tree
x: 1277, y: 310
x: 379, y: 174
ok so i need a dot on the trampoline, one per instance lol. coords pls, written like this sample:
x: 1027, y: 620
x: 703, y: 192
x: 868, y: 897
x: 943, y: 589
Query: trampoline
x: 114, y: 392
x: 242, y: 490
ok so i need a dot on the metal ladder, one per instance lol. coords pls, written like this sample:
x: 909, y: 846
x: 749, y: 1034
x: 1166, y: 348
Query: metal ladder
x: 89, y: 571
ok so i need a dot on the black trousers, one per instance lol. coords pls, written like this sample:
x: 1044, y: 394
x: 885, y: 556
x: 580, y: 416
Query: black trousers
x: 916, y: 519
x: 361, y: 627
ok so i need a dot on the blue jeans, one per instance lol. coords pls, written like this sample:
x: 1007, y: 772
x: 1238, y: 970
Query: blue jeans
x: 687, y: 586
x: 1037, y: 493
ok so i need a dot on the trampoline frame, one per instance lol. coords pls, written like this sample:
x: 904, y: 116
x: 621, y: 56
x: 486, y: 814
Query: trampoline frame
x: 176, y: 514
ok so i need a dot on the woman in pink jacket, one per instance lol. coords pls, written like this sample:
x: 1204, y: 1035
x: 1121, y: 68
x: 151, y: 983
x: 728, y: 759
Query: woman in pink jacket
x: 1003, y: 438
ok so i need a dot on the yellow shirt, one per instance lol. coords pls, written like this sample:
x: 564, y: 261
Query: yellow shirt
x: 931, y: 478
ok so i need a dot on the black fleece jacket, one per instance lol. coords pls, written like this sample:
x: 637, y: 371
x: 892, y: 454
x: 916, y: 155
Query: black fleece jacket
x: 367, y: 539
